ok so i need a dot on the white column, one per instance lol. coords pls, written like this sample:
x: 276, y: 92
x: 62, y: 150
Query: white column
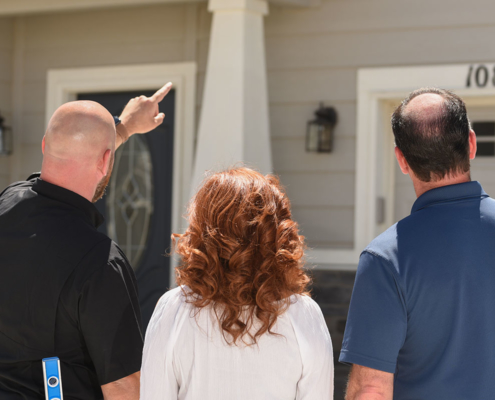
x: 234, y: 124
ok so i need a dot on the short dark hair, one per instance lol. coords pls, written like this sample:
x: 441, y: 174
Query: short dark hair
x: 434, y: 146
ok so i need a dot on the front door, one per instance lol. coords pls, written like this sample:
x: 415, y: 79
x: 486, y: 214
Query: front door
x: 138, y: 202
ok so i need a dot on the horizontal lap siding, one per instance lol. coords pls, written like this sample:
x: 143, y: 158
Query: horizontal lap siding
x: 6, y: 48
x: 314, y: 54
x: 376, y: 15
x: 127, y: 36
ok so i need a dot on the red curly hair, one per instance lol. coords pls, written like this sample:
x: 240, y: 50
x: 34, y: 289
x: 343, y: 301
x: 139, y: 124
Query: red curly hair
x: 242, y: 252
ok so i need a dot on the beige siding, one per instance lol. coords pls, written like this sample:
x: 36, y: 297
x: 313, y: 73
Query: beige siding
x: 6, y: 42
x: 319, y: 223
x: 152, y: 34
x: 379, y: 15
x: 314, y: 54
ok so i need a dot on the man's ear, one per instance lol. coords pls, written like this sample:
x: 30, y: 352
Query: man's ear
x: 472, y: 145
x: 43, y: 145
x: 404, y: 166
x: 104, y: 163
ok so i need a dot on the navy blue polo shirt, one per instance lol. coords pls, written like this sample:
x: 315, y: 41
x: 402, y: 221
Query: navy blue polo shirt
x: 423, y: 305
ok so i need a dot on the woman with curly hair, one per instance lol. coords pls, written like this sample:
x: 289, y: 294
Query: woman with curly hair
x: 241, y: 325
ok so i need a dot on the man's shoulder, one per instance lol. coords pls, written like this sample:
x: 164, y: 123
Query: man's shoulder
x: 115, y: 252
x: 22, y: 184
x: 385, y: 245
x: 99, y: 258
x: 75, y: 240
x: 16, y: 187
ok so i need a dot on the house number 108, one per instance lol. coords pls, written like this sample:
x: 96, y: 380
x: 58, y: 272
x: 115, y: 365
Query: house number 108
x: 480, y: 76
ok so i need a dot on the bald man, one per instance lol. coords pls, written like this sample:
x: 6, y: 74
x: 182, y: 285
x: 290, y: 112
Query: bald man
x: 67, y: 290
x: 421, y: 323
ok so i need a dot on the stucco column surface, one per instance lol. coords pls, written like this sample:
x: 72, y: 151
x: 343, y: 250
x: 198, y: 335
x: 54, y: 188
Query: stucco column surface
x: 234, y: 124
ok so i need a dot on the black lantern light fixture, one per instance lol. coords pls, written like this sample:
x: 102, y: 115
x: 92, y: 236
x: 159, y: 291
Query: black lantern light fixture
x: 5, y: 139
x: 319, y: 136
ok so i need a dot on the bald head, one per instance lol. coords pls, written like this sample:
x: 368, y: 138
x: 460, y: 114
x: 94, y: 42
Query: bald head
x: 79, y: 131
x: 78, y: 148
x: 425, y: 108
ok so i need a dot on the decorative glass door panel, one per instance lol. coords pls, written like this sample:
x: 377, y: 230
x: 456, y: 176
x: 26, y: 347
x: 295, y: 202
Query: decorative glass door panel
x: 129, y: 202
x: 138, y: 203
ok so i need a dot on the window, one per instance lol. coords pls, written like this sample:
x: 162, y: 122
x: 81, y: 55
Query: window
x: 485, y: 135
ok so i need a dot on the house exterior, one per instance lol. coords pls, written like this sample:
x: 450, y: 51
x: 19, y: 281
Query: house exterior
x: 248, y: 76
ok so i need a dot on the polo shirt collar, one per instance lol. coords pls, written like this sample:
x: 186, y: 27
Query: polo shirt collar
x: 444, y: 194
x: 69, y: 197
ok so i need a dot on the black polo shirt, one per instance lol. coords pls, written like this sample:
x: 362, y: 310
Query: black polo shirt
x: 66, y: 290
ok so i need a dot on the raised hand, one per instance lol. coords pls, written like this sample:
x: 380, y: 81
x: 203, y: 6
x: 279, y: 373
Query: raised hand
x: 141, y: 115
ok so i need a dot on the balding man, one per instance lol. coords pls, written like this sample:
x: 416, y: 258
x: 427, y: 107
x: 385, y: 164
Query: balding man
x: 421, y: 321
x: 67, y: 290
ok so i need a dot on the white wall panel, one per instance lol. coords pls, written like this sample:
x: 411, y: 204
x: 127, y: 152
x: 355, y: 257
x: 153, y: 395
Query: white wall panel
x: 290, y: 156
x: 5, y: 64
x: 31, y: 161
x: 4, y: 181
x: 326, y: 227
x: 378, y: 48
x: 384, y: 15
x: 6, y: 33
x: 319, y: 189
x: 33, y: 128
x: 290, y: 120
x: 204, y: 21
x: 39, y: 61
x: 33, y: 97
x: 311, y: 85
x: 126, y: 36
x: 314, y: 54
x: 105, y: 27
x: 203, y: 48
x: 5, y: 96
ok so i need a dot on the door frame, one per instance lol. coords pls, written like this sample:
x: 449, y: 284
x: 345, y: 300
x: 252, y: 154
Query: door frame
x: 377, y: 87
x: 63, y: 85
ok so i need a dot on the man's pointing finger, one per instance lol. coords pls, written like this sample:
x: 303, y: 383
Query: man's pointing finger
x: 161, y: 93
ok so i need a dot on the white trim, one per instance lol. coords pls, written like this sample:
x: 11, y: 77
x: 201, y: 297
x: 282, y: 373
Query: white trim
x: 64, y: 84
x: 375, y: 87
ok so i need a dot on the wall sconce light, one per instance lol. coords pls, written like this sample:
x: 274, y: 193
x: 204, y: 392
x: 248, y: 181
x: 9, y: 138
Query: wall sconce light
x: 319, y: 136
x: 5, y: 139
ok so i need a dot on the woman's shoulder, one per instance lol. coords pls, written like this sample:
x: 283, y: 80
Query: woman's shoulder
x: 306, y: 315
x: 176, y: 298
x: 303, y: 303
x: 172, y: 296
x: 311, y: 332
x: 168, y: 307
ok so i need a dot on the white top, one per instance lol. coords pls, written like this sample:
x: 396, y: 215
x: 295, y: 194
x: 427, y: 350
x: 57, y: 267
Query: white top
x: 185, y: 356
